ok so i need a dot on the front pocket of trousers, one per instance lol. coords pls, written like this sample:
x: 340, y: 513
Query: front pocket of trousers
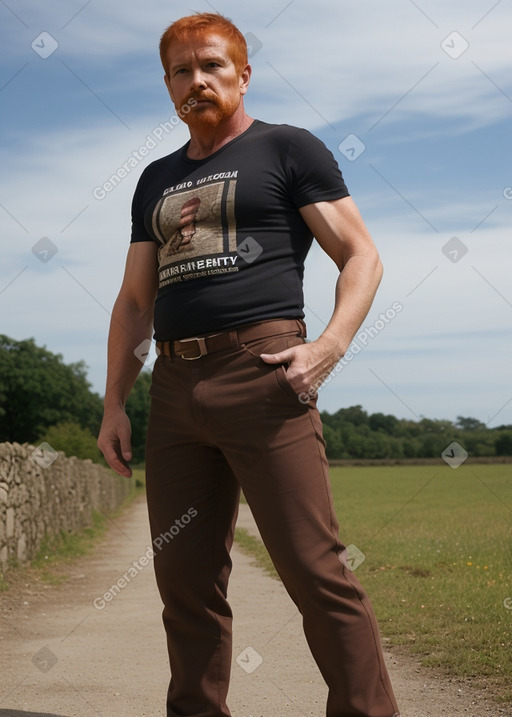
x: 274, y: 345
x: 271, y: 344
x: 283, y: 381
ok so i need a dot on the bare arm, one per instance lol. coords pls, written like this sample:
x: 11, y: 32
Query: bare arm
x: 342, y: 234
x: 131, y: 324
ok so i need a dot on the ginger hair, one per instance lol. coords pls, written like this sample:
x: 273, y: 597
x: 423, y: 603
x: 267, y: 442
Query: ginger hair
x: 202, y: 24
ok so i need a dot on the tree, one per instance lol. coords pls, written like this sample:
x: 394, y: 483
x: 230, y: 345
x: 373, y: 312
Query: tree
x: 504, y: 444
x: 38, y: 390
x: 333, y: 443
x: 73, y: 440
x: 381, y: 422
x: 479, y: 442
x: 469, y: 424
x: 137, y: 409
x: 354, y: 414
x: 352, y: 433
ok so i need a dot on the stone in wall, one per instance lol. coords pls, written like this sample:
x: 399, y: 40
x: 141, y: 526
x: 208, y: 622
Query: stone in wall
x: 43, y: 492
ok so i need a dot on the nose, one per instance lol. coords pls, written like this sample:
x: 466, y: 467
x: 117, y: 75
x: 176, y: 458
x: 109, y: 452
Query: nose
x: 198, y: 80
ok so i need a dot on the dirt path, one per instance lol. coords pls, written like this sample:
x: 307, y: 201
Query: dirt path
x: 60, y: 656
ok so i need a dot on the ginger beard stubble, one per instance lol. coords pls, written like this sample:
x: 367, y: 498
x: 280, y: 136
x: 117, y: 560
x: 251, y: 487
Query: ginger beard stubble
x: 213, y: 96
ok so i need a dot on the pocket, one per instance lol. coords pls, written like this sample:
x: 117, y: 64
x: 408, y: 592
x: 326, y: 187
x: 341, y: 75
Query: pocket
x: 272, y: 344
x: 284, y: 383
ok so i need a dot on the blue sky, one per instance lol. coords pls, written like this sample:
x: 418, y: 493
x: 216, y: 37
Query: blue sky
x: 424, y: 89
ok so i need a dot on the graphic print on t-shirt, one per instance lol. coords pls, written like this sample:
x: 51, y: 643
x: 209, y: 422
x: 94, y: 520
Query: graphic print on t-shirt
x: 196, y: 227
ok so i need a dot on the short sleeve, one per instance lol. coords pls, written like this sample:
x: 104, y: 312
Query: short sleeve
x: 313, y: 172
x: 139, y: 232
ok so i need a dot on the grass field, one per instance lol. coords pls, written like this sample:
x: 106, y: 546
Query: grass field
x: 437, y: 546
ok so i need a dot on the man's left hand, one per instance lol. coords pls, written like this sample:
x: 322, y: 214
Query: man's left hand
x: 308, y: 364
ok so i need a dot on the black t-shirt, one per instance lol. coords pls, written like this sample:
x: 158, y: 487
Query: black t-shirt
x: 231, y: 240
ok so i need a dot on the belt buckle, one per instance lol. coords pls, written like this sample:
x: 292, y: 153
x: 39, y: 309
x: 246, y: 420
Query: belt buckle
x: 201, y: 345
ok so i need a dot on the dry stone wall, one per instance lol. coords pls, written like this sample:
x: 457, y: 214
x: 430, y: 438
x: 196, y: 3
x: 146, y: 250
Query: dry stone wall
x: 43, y: 492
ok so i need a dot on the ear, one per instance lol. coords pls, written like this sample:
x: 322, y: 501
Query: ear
x: 168, y: 85
x: 245, y: 78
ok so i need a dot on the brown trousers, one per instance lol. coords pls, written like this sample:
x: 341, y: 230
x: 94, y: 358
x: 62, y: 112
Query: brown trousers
x: 228, y: 421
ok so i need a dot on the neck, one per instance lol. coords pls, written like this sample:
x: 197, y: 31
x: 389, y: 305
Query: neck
x: 206, y: 139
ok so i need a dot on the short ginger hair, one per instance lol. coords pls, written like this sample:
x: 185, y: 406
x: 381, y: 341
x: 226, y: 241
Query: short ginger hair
x: 202, y: 24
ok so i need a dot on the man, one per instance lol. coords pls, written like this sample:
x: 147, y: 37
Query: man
x: 221, y: 229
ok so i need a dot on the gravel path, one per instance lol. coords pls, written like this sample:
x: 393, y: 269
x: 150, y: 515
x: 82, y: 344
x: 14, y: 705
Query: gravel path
x: 60, y: 656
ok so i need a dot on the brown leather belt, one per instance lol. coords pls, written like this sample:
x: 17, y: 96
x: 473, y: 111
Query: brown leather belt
x: 197, y: 346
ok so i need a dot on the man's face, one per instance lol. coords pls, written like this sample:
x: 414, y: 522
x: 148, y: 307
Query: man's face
x: 202, y: 69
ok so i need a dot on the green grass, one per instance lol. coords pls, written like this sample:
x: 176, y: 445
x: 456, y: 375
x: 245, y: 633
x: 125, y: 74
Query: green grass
x: 66, y: 547
x: 438, y: 561
x: 253, y: 546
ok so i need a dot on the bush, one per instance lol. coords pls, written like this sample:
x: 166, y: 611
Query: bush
x: 504, y: 444
x: 73, y: 440
x: 38, y: 390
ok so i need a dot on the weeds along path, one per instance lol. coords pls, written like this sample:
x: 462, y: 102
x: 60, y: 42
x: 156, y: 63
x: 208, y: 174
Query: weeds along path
x: 84, y: 649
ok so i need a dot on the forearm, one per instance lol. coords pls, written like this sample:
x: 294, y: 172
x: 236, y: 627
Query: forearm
x: 129, y: 327
x: 340, y: 231
x: 356, y: 287
x: 131, y: 324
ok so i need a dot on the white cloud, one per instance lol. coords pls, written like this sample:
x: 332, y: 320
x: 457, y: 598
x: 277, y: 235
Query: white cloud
x: 453, y: 330
x: 352, y: 62
x: 348, y: 60
x: 60, y: 303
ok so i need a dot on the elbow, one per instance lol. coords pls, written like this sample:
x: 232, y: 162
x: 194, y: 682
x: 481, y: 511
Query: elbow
x: 378, y: 268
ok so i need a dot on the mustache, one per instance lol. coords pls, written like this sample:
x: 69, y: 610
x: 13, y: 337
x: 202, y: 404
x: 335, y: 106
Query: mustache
x: 193, y: 99
x: 201, y: 96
